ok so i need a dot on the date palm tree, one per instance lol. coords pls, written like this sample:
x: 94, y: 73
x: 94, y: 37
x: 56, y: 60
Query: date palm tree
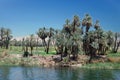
x: 87, y: 21
x: 60, y: 43
x: 7, y: 36
x: 75, y: 23
x: 67, y: 27
x: 42, y: 34
x: 2, y: 32
x: 116, y: 42
x: 96, y: 26
x: 110, y: 39
x: 32, y: 43
x: 37, y: 43
x: 50, y: 34
x: 23, y: 44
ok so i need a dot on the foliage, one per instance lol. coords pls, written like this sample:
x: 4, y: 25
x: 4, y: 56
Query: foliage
x: 106, y: 65
x: 68, y: 40
x: 44, y: 34
x: 5, y: 37
x: 116, y: 42
x: 72, y: 40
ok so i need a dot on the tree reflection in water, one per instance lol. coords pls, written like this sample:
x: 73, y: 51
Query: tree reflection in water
x: 40, y: 73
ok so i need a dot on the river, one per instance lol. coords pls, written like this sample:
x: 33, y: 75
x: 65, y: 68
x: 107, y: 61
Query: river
x: 41, y: 73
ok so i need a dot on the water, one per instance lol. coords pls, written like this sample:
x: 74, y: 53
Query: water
x: 40, y: 73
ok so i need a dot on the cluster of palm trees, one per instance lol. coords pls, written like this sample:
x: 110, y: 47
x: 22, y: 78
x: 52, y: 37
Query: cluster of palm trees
x: 75, y: 38
x: 44, y: 34
x: 32, y: 41
x: 5, y: 37
x: 28, y: 42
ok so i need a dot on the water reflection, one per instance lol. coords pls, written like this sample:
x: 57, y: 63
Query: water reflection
x: 4, y: 73
x: 40, y: 73
x: 98, y: 74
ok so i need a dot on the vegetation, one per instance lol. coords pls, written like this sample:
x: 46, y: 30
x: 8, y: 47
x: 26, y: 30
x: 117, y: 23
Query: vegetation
x: 77, y: 37
x: 5, y: 36
x: 106, y: 65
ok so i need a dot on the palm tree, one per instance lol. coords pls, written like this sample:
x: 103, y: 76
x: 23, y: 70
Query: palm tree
x: 42, y: 34
x: 96, y: 26
x: 25, y: 47
x: 32, y: 43
x: 23, y: 44
x: 37, y: 44
x: 116, y: 42
x: 7, y: 36
x: 87, y: 21
x: 67, y: 26
x: 110, y: 39
x: 60, y: 43
x: 75, y: 23
x: 50, y: 34
x: 2, y: 32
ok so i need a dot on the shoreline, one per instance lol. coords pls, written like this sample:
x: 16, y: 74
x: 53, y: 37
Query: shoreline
x: 47, y: 61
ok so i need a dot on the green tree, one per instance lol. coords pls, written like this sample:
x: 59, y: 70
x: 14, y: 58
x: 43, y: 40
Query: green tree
x: 50, y: 35
x: 26, y: 44
x: 32, y: 43
x: 110, y: 39
x: 8, y: 36
x: 2, y: 32
x: 116, y: 42
x: 23, y: 44
x: 87, y: 22
x: 42, y: 34
x: 69, y: 38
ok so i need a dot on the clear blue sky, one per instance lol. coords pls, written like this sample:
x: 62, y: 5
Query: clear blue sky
x: 24, y: 17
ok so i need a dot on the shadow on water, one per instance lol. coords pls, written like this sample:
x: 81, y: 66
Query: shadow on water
x: 40, y: 73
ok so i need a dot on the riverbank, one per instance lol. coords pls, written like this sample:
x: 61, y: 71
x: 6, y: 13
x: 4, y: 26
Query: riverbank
x: 110, y: 61
x: 17, y: 59
x: 40, y: 60
x: 106, y: 65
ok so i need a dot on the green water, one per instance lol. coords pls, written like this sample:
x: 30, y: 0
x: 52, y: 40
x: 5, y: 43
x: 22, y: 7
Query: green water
x: 40, y: 73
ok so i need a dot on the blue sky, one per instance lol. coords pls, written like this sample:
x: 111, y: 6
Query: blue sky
x: 25, y: 17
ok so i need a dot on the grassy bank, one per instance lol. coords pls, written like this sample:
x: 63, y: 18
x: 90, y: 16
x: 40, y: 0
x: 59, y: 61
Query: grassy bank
x: 106, y: 65
x: 112, y: 63
x: 14, y: 57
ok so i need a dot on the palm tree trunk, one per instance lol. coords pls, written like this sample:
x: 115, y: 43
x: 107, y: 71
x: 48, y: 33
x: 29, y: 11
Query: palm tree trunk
x: 82, y: 32
x: 48, y: 46
x: 45, y: 44
x: 114, y: 49
x: 37, y: 44
x: 118, y: 44
x: 31, y: 50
